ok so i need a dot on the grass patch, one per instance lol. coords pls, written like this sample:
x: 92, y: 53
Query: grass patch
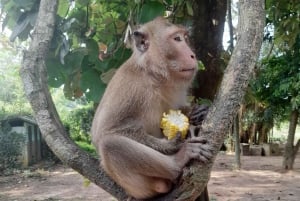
x: 87, y: 147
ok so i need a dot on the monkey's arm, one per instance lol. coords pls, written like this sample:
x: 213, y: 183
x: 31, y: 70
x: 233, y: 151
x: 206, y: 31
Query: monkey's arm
x: 159, y: 144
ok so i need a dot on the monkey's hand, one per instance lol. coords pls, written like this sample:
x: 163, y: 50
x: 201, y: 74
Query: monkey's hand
x: 197, y: 114
x: 194, y: 148
x: 163, y: 145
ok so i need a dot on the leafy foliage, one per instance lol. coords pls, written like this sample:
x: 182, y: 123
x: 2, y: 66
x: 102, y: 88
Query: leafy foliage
x: 12, y: 98
x: 278, y: 83
x: 87, y: 147
x: 283, y: 18
x: 88, y: 43
x: 78, y: 124
x: 10, y: 147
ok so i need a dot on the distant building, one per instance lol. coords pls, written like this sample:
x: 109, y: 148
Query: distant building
x: 34, y: 148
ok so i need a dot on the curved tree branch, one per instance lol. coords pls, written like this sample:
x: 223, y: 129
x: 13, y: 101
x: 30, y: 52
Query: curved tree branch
x: 231, y: 92
x: 34, y: 77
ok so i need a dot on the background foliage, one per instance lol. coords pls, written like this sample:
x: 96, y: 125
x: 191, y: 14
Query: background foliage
x: 88, y: 43
x: 12, y: 98
x: 10, y: 147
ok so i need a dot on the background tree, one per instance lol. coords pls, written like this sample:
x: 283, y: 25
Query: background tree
x: 277, y: 86
x: 208, y: 27
x: 83, y: 64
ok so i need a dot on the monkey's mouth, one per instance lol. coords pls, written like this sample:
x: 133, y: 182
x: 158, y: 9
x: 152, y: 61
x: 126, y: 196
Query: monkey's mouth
x: 189, y: 69
x: 186, y: 70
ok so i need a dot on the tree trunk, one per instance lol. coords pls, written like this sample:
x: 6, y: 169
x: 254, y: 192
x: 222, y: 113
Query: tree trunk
x: 263, y: 134
x: 252, y: 139
x: 230, y: 26
x: 290, y: 150
x: 242, y: 132
x: 236, y: 135
x: 215, y: 126
x: 208, y: 27
x: 34, y: 77
x: 230, y: 94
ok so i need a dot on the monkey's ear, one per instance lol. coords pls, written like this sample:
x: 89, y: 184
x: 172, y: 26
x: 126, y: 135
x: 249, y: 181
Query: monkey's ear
x: 141, y: 41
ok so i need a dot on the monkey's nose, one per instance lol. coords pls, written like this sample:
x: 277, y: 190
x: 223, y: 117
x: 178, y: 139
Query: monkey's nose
x: 193, y: 56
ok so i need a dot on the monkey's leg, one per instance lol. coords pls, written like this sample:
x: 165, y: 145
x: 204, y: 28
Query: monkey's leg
x: 140, y: 170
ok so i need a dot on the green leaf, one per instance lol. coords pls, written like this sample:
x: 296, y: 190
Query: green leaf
x: 68, y: 92
x: 200, y: 65
x: 115, y: 61
x: 24, y: 25
x: 150, y: 10
x: 63, y: 8
x: 74, y: 59
x: 83, y: 2
x: 103, y: 66
x: 189, y: 8
x: 25, y: 4
x: 93, y: 50
x: 55, y: 72
x: 86, y: 64
x: 120, y: 57
x: 106, y: 77
x: 92, y: 85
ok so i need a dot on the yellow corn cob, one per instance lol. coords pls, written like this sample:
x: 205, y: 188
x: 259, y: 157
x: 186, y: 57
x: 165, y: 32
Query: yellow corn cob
x: 173, y: 122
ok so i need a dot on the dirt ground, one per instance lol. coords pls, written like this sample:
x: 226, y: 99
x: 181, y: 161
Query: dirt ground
x: 259, y: 180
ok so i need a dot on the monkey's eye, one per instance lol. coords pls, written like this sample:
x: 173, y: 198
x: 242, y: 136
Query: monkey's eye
x: 178, y: 38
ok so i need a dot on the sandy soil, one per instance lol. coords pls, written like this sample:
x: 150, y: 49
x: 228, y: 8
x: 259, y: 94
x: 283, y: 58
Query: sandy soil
x: 259, y: 180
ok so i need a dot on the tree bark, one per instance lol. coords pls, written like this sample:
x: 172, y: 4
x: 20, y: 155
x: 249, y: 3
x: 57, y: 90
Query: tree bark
x: 230, y: 26
x: 263, y: 134
x: 236, y: 133
x: 290, y: 150
x: 252, y: 139
x: 34, y: 77
x: 219, y: 118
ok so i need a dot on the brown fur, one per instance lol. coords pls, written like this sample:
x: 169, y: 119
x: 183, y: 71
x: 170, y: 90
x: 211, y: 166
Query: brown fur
x: 126, y: 128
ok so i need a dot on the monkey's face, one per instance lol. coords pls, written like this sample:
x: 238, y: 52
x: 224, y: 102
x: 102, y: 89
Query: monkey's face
x: 182, y: 60
x: 163, y: 49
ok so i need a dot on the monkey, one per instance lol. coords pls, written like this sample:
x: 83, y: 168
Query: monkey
x: 126, y: 126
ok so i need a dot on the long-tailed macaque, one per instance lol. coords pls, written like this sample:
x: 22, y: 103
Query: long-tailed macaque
x: 126, y: 128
